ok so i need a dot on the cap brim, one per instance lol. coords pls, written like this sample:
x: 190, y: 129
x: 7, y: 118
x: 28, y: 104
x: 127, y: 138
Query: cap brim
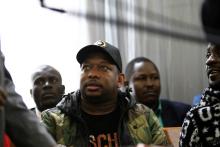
x: 85, y: 51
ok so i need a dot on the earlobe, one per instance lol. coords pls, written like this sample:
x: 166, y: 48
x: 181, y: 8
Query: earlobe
x: 31, y: 91
x: 62, y: 89
x: 121, y: 80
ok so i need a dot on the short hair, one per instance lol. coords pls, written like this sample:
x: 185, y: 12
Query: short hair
x: 212, y: 45
x: 130, y: 66
x: 45, y: 67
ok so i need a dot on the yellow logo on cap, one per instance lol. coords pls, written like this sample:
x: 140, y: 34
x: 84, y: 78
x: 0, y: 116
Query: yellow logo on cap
x: 101, y: 43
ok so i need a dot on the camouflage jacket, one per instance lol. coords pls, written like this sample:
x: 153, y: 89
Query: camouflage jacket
x: 138, y: 124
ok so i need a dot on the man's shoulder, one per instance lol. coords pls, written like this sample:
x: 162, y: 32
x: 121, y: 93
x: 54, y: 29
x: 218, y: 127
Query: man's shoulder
x: 140, y: 109
x: 175, y: 104
x: 141, y: 113
x: 205, y: 120
x: 206, y: 109
x: 70, y: 95
x: 201, y: 113
x: 53, y: 112
x: 53, y: 117
x: 65, y: 108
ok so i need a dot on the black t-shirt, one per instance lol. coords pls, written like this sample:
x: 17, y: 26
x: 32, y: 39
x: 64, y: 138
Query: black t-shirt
x: 103, y: 129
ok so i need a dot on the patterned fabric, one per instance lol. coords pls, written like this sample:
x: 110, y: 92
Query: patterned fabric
x: 138, y: 124
x: 201, y: 127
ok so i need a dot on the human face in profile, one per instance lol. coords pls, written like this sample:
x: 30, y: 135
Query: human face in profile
x: 213, y: 65
x: 145, y: 84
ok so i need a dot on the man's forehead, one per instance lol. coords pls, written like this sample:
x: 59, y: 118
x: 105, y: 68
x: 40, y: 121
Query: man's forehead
x: 137, y: 65
x: 143, y: 64
x: 45, y: 73
x: 213, y: 46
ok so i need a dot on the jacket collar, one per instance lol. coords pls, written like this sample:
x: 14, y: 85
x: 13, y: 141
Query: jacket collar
x: 70, y: 103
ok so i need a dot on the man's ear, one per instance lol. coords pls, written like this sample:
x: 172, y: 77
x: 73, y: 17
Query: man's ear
x: 126, y: 83
x: 31, y: 92
x: 121, y: 80
x: 62, y: 89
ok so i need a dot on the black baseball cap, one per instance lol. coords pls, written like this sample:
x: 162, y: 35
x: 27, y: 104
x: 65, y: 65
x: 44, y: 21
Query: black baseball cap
x: 210, y: 17
x: 101, y: 46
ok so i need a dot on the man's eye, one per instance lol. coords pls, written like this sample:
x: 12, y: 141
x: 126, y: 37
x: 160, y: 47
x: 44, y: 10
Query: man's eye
x: 54, y: 80
x: 104, y: 68
x: 86, y: 67
x: 39, y: 82
x: 140, y: 78
x: 155, y: 77
x: 208, y: 55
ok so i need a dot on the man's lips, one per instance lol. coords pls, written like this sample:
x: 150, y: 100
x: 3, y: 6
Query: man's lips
x: 93, y: 86
x: 212, y: 72
x: 48, y: 95
x: 150, y: 93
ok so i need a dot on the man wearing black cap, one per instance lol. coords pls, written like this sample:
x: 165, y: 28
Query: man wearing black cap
x: 99, y: 114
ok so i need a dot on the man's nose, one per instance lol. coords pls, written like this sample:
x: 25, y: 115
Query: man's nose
x: 94, y: 72
x: 148, y: 82
x: 47, y: 84
x: 211, y: 59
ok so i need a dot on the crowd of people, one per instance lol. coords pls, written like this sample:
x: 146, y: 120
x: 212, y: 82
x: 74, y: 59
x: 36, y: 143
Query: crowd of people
x: 111, y: 108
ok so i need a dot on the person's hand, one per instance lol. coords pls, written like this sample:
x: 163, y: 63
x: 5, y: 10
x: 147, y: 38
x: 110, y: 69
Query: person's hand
x: 142, y: 145
x: 145, y: 145
x: 2, y: 97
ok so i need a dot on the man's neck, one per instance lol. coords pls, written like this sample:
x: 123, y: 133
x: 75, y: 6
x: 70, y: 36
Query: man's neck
x: 98, y: 109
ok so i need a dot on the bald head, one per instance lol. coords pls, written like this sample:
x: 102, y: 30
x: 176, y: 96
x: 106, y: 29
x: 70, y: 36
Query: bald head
x: 45, y: 69
x: 47, y: 88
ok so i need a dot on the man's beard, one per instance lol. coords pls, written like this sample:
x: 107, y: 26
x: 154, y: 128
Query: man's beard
x: 98, y: 99
x: 215, y: 85
x: 95, y: 99
x: 47, y: 103
x: 43, y: 107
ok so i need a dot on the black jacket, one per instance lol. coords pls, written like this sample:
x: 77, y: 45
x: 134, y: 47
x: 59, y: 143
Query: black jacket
x: 173, y: 113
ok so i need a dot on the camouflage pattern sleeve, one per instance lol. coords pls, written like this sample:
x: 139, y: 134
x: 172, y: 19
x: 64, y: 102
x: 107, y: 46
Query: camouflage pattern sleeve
x: 49, y: 122
x: 158, y: 135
